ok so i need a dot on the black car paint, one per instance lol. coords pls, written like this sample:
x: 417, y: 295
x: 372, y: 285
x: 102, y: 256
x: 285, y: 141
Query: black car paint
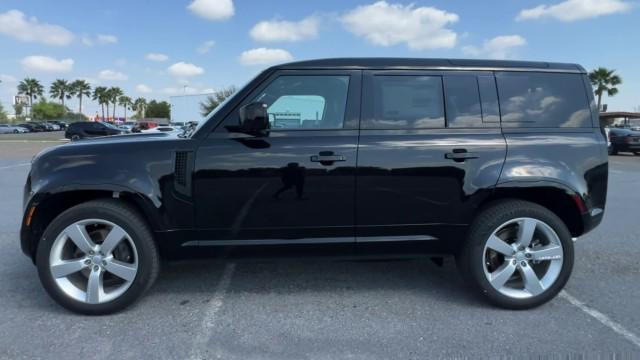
x: 624, y: 140
x: 264, y: 190
x: 89, y: 129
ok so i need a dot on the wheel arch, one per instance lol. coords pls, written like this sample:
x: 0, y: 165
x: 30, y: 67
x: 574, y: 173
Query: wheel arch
x: 559, y: 199
x: 51, y: 206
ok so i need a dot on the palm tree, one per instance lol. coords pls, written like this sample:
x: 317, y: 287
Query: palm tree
x: 215, y: 99
x: 603, y: 80
x: 32, y: 88
x: 125, y: 102
x: 114, y: 94
x: 100, y: 95
x: 80, y: 88
x: 139, y: 105
x: 60, y: 89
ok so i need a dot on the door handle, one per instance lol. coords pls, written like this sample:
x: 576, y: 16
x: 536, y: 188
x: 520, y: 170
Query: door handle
x: 460, y: 155
x: 327, y: 158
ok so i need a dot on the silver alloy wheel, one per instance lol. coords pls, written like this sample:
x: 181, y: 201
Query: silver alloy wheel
x: 522, y: 258
x: 93, y: 261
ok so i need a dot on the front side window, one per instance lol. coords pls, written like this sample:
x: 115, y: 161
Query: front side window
x: 306, y: 102
x: 543, y: 100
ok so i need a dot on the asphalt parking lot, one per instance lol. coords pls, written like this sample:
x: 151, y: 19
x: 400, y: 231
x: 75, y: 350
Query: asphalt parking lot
x: 329, y: 309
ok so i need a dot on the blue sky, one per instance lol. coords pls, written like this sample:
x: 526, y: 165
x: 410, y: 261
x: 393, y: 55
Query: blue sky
x: 155, y: 48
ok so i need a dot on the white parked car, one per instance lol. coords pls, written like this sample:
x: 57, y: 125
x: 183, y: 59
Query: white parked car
x: 9, y: 129
x: 163, y: 129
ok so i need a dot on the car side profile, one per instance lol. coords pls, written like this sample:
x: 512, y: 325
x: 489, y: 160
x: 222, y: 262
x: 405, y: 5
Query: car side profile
x: 502, y: 164
x: 90, y: 129
x: 10, y: 129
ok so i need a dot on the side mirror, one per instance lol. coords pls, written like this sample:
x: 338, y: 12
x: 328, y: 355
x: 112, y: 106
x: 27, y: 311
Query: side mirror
x: 254, y: 117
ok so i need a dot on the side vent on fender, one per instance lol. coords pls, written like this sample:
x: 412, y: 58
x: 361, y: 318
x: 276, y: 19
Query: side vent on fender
x: 183, y: 166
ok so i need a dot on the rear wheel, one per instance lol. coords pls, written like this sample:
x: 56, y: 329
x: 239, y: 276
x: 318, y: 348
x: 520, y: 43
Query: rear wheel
x: 518, y: 255
x: 97, y: 257
x: 75, y: 137
x: 613, y: 150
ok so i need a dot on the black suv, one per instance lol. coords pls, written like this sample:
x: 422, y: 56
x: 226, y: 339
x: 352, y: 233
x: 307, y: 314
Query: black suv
x: 502, y: 164
x: 89, y: 129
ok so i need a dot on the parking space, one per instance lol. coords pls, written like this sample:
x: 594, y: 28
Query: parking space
x: 327, y: 309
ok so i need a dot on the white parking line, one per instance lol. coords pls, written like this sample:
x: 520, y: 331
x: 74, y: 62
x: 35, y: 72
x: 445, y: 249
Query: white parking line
x: 602, y: 318
x: 209, y: 314
x: 14, y: 166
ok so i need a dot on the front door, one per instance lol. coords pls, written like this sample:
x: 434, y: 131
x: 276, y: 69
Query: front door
x: 295, y: 184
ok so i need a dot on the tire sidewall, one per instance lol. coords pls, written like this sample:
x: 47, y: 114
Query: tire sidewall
x: 480, y: 236
x: 140, y: 238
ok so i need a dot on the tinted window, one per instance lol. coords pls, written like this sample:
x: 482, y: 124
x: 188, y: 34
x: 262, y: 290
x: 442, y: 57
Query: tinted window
x: 306, y: 102
x: 406, y: 102
x: 463, y: 101
x: 543, y: 100
x: 489, y: 99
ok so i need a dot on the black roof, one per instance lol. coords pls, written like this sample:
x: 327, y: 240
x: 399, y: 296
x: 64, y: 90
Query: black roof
x: 417, y: 63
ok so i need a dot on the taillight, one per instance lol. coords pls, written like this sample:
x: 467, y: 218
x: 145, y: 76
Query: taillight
x: 627, y: 139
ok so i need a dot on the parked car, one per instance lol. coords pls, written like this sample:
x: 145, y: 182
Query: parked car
x: 61, y: 124
x: 53, y: 126
x: 89, y: 129
x: 625, y: 140
x: 383, y: 157
x: 10, y: 129
x: 144, y: 125
x: 163, y: 129
x: 126, y: 128
x: 33, y: 127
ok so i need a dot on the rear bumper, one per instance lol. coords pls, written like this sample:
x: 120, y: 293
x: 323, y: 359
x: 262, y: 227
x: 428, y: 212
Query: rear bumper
x: 592, y: 219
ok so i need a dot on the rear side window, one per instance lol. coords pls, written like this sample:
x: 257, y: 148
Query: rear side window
x: 463, y: 101
x: 406, y: 102
x: 543, y: 100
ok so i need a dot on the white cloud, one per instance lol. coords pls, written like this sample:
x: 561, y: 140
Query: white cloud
x: 264, y: 56
x: 112, y: 75
x: 385, y: 24
x: 183, y: 69
x: 212, y: 9
x: 274, y: 31
x: 500, y: 47
x: 14, y: 23
x: 107, y: 39
x: 207, y: 91
x: 156, y: 57
x: 205, y: 47
x: 86, y: 40
x: 142, y: 88
x: 572, y: 10
x: 40, y: 63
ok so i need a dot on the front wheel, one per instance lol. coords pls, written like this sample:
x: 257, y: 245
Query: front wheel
x: 97, y: 257
x: 518, y: 255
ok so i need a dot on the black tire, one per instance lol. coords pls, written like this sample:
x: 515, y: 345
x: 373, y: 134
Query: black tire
x: 470, y: 259
x: 613, y: 150
x: 637, y: 153
x: 124, y: 216
x: 75, y: 137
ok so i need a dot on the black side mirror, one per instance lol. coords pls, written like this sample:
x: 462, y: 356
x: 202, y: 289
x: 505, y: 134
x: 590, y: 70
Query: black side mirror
x: 254, y: 117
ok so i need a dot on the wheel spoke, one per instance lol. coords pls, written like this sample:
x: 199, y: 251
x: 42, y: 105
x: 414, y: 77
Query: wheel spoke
x: 66, y: 268
x: 526, y: 228
x: 94, y: 287
x: 499, y: 245
x: 121, y: 269
x: 113, y: 238
x: 78, y: 234
x: 531, y: 282
x: 549, y: 252
x: 500, y: 277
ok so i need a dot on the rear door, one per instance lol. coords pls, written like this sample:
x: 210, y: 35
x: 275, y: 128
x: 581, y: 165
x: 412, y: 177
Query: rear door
x: 295, y: 184
x: 430, y: 150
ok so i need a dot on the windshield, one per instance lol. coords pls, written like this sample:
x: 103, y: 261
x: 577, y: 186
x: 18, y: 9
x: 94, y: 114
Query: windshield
x: 110, y: 125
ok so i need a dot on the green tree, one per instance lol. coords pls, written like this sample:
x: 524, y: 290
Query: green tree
x: 32, y: 88
x: 160, y: 109
x: 603, y: 80
x: 139, y: 106
x: 45, y: 110
x: 212, y: 101
x: 100, y: 95
x: 114, y: 94
x: 3, y: 114
x: 80, y: 89
x: 60, y: 89
x: 18, y: 108
x: 126, y: 103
